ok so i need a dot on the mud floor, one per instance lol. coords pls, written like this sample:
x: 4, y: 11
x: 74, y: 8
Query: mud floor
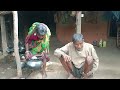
x: 109, y: 67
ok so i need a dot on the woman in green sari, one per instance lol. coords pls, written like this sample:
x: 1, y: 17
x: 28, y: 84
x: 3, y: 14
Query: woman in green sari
x: 37, y: 43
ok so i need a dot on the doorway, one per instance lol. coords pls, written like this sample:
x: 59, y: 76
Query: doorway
x: 27, y: 18
x: 113, y: 28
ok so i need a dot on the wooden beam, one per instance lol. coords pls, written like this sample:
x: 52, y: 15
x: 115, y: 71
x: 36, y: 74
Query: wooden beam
x: 3, y: 34
x: 78, y: 22
x: 5, y: 12
x: 16, y: 51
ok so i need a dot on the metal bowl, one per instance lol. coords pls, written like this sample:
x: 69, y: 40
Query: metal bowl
x: 34, y: 63
x: 22, y: 64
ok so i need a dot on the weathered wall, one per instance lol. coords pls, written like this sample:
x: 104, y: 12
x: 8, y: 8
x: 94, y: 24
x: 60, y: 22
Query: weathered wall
x: 64, y: 33
x: 91, y: 31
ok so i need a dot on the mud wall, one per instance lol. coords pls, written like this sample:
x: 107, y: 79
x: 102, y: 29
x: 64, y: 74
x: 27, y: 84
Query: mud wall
x: 94, y: 32
x: 90, y: 31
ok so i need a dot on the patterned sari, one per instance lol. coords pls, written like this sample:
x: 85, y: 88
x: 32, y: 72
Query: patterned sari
x: 38, y: 46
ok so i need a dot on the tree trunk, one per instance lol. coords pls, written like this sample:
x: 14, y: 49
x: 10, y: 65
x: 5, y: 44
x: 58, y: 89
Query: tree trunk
x: 3, y: 34
x: 78, y: 22
x: 17, y: 57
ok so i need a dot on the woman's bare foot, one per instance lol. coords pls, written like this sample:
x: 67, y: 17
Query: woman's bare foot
x: 44, y: 75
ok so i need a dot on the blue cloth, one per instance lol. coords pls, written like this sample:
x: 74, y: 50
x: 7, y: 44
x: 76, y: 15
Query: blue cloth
x: 116, y: 14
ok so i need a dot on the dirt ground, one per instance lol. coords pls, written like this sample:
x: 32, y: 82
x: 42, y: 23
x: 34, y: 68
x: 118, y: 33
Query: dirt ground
x: 108, y: 67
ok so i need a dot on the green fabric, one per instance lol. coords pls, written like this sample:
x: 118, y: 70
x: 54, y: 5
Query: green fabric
x: 32, y: 28
x: 40, y: 46
x: 44, y: 45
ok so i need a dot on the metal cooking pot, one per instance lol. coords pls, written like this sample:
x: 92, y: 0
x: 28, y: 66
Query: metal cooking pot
x: 34, y: 63
x: 22, y: 64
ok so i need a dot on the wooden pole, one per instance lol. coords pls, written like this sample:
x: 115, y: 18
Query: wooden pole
x: 16, y: 51
x: 3, y: 34
x: 78, y: 22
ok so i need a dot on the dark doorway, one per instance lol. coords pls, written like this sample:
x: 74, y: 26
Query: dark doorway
x: 27, y: 18
x: 113, y: 28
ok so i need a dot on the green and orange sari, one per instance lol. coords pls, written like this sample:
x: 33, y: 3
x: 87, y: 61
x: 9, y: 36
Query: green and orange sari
x: 38, y: 46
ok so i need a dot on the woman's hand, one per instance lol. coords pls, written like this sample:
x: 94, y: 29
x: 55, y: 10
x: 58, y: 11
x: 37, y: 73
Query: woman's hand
x: 28, y: 54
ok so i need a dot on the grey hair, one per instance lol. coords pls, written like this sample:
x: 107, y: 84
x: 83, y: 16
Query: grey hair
x: 77, y: 37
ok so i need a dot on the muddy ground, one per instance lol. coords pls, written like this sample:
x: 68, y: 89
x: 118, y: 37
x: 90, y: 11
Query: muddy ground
x: 109, y: 67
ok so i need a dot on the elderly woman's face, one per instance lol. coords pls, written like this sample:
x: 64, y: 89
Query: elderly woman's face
x: 41, y: 37
x: 78, y: 45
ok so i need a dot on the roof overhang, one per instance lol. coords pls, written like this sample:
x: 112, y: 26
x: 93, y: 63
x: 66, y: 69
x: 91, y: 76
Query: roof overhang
x: 5, y: 12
